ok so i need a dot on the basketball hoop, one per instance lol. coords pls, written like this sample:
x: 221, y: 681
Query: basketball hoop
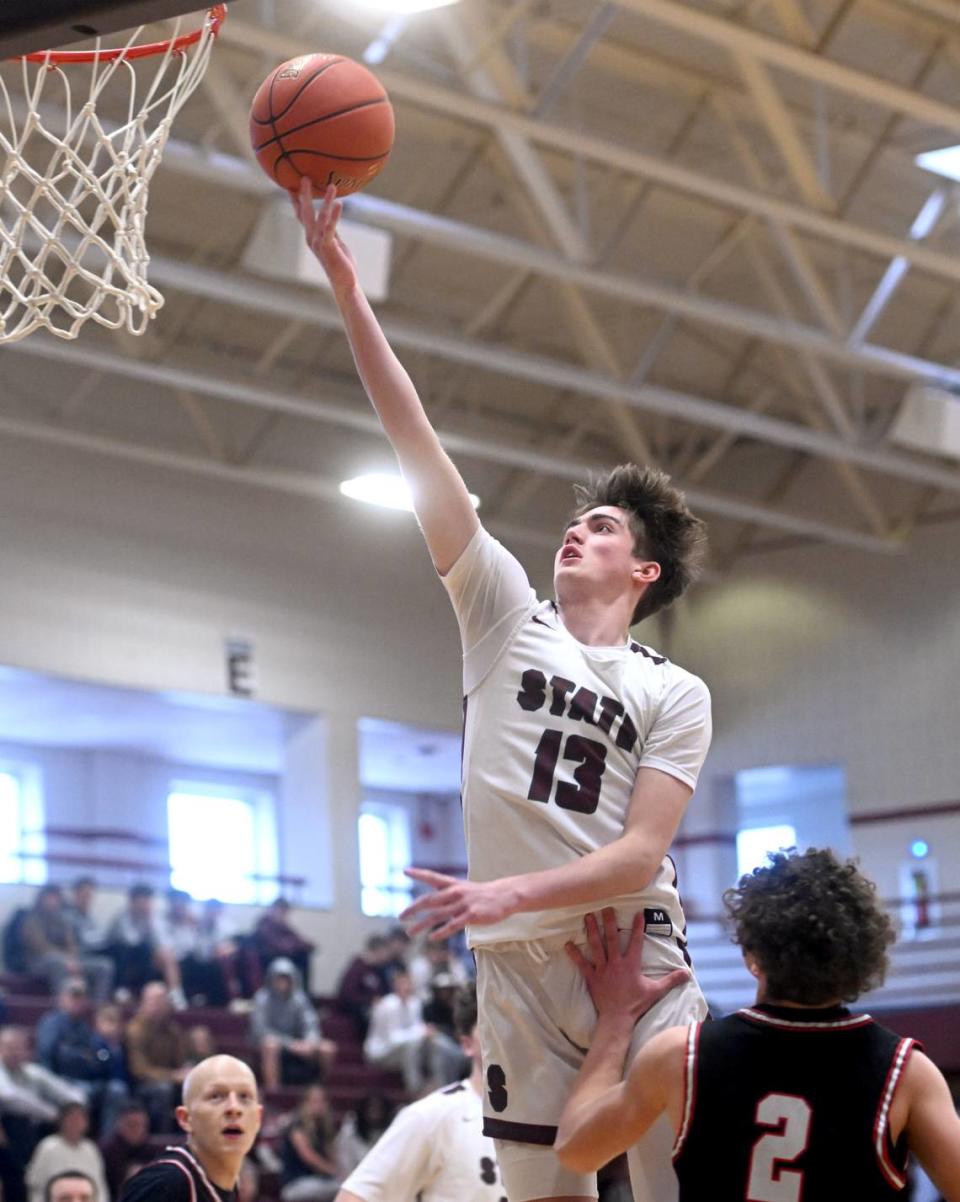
x: 75, y: 172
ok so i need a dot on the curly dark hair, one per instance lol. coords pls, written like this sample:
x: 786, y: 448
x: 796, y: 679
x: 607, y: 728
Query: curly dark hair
x: 465, y: 1010
x: 664, y: 530
x: 814, y: 926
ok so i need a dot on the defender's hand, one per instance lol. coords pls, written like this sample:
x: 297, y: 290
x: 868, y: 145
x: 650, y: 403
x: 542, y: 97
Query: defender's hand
x: 615, y: 979
x: 454, y: 904
x: 320, y: 227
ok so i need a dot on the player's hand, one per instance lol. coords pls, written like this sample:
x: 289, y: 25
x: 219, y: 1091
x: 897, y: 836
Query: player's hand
x: 454, y: 904
x: 320, y: 227
x: 615, y: 979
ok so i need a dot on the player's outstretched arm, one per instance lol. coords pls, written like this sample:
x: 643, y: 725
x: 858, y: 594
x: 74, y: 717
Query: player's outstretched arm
x: 626, y: 865
x: 603, y: 1115
x: 932, y: 1125
x: 440, y: 497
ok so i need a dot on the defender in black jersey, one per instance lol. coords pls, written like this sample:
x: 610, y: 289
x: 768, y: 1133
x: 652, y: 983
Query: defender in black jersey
x: 221, y: 1115
x: 793, y: 1099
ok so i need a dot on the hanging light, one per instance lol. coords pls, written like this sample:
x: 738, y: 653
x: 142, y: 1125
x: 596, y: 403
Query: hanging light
x: 945, y: 162
x: 385, y: 490
x: 394, y: 8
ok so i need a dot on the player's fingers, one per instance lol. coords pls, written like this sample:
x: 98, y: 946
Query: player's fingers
x: 457, y: 923
x: 634, y: 952
x: 661, y: 986
x: 577, y: 956
x: 433, y: 903
x: 610, y: 933
x: 428, y: 877
x: 593, y: 939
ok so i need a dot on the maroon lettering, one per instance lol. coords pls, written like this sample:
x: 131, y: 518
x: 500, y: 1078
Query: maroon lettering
x: 627, y: 734
x: 610, y: 710
x: 544, y: 765
x: 533, y: 690
x: 583, y: 706
x: 561, y: 689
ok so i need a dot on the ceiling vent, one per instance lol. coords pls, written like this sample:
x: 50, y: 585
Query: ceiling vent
x: 277, y: 249
x: 929, y: 420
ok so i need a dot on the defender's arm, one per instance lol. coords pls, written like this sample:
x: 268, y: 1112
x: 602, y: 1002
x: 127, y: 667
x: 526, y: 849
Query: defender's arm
x: 932, y: 1125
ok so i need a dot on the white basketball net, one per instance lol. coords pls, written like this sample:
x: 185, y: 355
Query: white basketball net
x: 74, y: 183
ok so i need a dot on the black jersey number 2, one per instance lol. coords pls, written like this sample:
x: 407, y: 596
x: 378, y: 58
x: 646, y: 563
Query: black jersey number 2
x: 787, y: 1119
x: 583, y: 795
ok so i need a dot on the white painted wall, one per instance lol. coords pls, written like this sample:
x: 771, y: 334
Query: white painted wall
x: 135, y: 576
x: 824, y: 656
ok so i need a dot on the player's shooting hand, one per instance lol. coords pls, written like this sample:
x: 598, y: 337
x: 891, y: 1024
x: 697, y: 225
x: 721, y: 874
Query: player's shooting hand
x: 320, y: 227
x: 615, y: 979
x: 454, y: 904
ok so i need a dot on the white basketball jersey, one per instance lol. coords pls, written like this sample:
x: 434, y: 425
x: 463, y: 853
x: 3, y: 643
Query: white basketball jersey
x: 435, y: 1148
x: 554, y: 735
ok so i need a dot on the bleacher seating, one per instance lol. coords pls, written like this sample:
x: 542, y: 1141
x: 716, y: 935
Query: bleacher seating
x: 350, y: 1078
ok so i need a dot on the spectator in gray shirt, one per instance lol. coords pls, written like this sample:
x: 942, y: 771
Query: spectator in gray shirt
x: 30, y: 1095
x: 285, y: 1029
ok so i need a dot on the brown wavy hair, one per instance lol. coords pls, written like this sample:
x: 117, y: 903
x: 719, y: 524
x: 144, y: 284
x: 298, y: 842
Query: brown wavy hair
x: 814, y: 926
x: 664, y: 530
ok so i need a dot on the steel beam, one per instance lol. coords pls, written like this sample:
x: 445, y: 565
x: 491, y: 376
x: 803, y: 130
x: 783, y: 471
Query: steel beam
x: 289, y: 305
x: 352, y: 417
x: 569, y: 141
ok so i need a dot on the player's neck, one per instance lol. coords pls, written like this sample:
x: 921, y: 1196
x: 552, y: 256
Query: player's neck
x: 596, y: 622
x: 223, y: 1171
x: 475, y: 1080
x: 764, y: 999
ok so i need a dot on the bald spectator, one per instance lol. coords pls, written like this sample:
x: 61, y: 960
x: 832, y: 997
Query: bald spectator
x: 157, y: 1054
x: 68, y: 1151
x: 51, y: 949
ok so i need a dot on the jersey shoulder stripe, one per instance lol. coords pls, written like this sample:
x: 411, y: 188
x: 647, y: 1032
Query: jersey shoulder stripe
x: 882, y: 1143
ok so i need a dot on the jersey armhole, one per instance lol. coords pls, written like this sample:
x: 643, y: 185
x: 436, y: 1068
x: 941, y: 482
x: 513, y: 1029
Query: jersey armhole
x: 186, y: 1172
x: 895, y: 1174
x: 689, y: 1088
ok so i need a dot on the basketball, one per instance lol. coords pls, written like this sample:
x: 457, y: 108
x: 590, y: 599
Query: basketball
x: 325, y: 117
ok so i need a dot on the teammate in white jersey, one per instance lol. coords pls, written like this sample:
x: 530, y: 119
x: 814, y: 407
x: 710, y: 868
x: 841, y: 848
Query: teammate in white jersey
x: 581, y: 751
x: 435, y: 1147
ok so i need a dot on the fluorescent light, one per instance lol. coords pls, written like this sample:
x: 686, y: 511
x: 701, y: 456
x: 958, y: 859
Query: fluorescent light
x: 945, y: 162
x: 395, y: 7
x: 390, y: 492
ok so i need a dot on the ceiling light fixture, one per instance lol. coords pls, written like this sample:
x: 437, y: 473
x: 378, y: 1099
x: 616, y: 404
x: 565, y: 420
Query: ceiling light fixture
x: 400, y: 7
x: 945, y: 162
x: 380, y: 488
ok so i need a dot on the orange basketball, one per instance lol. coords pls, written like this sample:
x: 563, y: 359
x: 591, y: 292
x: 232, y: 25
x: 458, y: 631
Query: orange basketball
x: 322, y: 116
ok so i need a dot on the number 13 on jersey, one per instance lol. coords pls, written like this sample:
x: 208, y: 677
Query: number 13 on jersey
x: 590, y: 756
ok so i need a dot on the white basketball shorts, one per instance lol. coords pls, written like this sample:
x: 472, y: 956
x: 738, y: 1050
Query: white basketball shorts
x: 535, y: 1023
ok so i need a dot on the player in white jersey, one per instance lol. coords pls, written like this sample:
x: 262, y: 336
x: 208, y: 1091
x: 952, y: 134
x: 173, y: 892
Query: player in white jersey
x: 435, y: 1147
x: 582, y: 749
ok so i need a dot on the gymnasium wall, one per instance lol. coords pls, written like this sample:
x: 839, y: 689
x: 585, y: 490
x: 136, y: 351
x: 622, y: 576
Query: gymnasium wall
x: 822, y: 655
x: 135, y: 575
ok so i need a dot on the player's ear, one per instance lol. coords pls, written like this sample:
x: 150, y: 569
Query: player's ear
x: 646, y: 571
x: 183, y: 1118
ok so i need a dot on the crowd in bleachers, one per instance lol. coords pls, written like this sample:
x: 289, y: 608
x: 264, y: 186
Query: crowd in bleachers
x: 100, y: 1027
